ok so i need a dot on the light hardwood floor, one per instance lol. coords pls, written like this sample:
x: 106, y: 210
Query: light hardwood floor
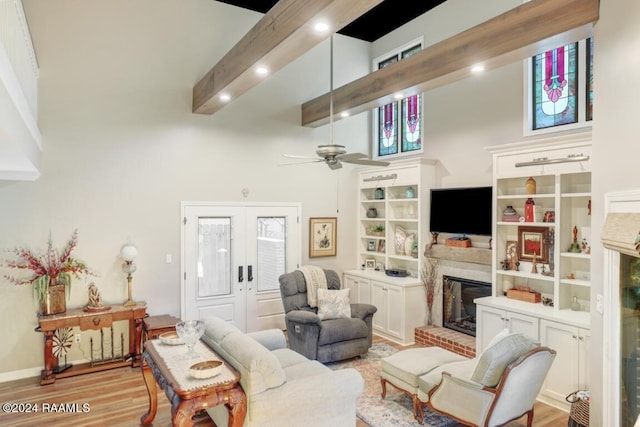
x: 119, y: 398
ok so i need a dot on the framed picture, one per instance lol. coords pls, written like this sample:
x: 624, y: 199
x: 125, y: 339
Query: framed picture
x: 371, y: 246
x: 369, y: 264
x: 531, y: 241
x: 322, y: 237
x: 380, y: 245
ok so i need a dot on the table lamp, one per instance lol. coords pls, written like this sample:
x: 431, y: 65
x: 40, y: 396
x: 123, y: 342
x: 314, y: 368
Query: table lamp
x: 128, y: 253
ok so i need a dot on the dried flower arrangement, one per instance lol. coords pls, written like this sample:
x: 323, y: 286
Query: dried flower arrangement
x: 50, y: 267
x: 431, y: 281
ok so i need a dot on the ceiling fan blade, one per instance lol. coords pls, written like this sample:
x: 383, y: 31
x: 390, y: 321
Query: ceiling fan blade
x: 350, y: 156
x: 302, y: 163
x: 367, y: 162
x: 293, y: 156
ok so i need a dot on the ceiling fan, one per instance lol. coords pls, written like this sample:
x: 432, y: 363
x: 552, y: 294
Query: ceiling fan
x: 334, y: 154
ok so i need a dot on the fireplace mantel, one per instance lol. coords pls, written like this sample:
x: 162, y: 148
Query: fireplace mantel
x: 471, y: 255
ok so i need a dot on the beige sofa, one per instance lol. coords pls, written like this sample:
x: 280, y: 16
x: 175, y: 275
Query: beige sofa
x: 283, y: 388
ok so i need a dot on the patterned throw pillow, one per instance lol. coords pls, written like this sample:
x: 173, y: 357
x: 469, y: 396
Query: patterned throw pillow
x: 333, y: 304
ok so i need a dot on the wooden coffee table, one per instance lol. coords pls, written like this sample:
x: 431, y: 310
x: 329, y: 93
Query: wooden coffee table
x: 167, y: 366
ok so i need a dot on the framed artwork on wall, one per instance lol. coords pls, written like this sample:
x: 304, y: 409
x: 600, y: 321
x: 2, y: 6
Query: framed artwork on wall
x: 531, y: 242
x: 322, y: 237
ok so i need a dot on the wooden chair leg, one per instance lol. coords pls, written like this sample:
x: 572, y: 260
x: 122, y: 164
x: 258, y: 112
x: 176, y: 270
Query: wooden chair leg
x: 383, y: 383
x: 417, y: 409
x: 530, y: 418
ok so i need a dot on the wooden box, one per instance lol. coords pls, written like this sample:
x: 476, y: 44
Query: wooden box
x: 457, y: 243
x: 524, y: 295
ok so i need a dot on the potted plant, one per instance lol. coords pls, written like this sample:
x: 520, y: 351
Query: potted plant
x: 377, y: 230
x: 50, y: 275
x: 414, y: 248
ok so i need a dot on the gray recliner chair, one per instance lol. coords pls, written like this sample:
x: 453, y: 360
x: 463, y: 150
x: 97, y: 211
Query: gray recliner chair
x: 323, y: 340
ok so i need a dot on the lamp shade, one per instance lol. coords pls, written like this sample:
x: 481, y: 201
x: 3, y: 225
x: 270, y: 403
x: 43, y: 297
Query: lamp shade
x: 128, y: 252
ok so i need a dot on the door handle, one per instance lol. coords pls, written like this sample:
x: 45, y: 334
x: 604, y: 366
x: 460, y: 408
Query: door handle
x: 250, y: 273
x: 240, y: 274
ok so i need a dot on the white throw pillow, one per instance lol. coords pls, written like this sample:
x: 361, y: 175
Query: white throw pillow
x: 333, y: 304
x: 495, y: 359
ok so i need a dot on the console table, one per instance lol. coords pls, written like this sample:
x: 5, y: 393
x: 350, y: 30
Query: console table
x: 90, y: 320
x: 168, y: 366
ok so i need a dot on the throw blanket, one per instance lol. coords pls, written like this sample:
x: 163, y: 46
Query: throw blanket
x: 315, y: 278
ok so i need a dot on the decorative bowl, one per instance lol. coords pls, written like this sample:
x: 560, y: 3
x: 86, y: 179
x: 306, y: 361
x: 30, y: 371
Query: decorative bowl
x: 207, y: 369
x: 171, y: 338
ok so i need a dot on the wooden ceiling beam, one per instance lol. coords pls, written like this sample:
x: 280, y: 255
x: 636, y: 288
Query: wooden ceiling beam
x: 284, y: 33
x: 517, y: 34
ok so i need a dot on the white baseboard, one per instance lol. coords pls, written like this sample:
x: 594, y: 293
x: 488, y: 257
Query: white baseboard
x: 18, y: 375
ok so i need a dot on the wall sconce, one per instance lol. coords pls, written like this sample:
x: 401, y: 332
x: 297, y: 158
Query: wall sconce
x: 128, y: 253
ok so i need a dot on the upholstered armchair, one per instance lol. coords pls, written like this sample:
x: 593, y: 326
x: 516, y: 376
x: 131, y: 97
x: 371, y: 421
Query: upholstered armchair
x: 512, y: 397
x: 324, y: 340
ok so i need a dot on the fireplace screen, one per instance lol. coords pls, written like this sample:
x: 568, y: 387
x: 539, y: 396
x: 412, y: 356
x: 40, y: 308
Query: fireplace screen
x: 458, y: 308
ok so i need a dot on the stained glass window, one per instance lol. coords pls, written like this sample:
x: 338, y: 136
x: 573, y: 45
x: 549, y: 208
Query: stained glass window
x: 411, y: 115
x: 388, y: 120
x: 555, y: 75
x: 589, y: 106
x: 400, y: 123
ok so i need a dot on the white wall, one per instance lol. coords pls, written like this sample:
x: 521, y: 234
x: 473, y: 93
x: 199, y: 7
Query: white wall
x: 122, y: 148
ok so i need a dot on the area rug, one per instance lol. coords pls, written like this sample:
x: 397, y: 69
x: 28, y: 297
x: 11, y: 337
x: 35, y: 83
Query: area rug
x: 397, y: 408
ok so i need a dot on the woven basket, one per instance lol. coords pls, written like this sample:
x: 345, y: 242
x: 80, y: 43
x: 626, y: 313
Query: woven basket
x: 579, y: 413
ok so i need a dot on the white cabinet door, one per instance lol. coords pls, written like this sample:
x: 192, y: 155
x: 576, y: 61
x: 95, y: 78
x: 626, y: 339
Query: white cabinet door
x: 380, y: 300
x: 564, y: 376
x: 395, y: 322
x: 490, y: 322
x: 493, y: 320
x: 522, y: 323
x: 360, y: 289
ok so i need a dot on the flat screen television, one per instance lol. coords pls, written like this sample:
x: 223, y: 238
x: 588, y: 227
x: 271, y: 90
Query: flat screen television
x: 461, y: 211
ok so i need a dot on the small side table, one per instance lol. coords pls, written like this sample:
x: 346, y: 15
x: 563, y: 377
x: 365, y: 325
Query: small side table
x: 154, y: 326
x: 165, y: 366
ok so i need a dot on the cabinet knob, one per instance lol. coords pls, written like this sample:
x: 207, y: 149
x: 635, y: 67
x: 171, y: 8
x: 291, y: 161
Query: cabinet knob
x: 581, y: 338
x: 574, y: 336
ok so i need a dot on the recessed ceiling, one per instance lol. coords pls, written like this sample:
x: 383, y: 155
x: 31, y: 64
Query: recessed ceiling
x: 378, y: 22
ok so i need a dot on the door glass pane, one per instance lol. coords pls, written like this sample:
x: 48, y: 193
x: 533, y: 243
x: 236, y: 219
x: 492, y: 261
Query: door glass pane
x: 272, y: 251
x: 214, y: 257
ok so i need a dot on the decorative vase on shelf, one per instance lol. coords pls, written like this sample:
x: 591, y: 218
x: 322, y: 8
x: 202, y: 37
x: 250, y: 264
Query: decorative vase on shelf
x: 53, y: 301
x: 530, y: 186
x: 379, y: 194
x: 529, y: 210
x: 575, y: 305
x: 410, y: 193
x: 372, y: 213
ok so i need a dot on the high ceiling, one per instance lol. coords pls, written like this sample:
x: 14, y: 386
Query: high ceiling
x: 379, y: 21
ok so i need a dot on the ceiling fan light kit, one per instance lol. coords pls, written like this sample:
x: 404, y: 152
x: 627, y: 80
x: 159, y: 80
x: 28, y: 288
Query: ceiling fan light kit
x: 334, y: 154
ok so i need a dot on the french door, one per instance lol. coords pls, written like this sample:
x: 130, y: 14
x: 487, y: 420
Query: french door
x: 232, y: 256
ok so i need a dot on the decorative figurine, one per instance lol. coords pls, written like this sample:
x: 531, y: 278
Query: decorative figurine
x: 517, y: 265
x: 534, y: 265
x: 544, y: 269
x: 95, y: 300
x: 549, y: 240
x: 575, y: 248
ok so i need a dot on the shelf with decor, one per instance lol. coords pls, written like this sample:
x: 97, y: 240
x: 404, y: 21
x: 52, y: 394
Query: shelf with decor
x: 554, y: 176
x: 393, y: 206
